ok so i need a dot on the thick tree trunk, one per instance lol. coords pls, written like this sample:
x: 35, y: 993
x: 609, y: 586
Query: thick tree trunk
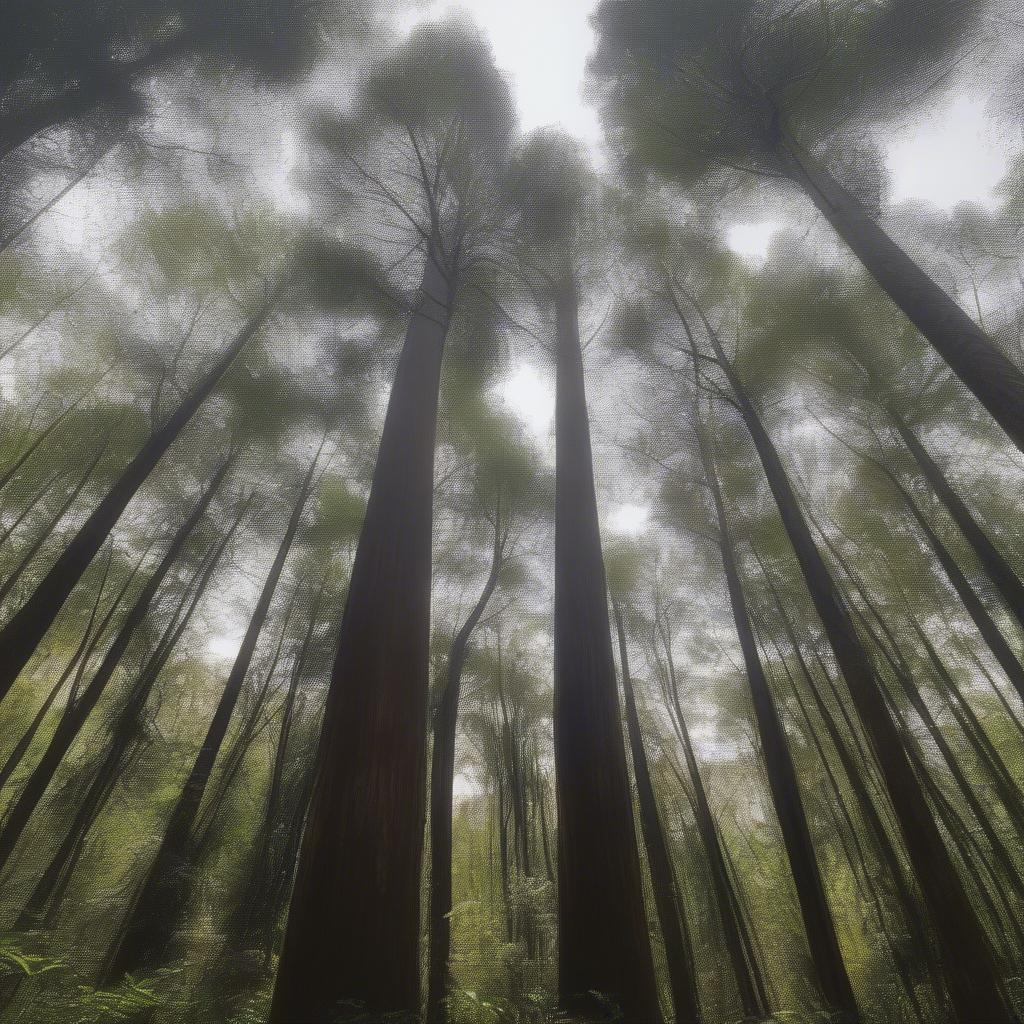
x: 20, y: 637
x: 822, y: 940
x: 160, y: 903
x: 442, y: 778
x: 971, y: 354
x: 71, y: 723
x: 671, y: 915
x: 354, y: 925
x: 604, y: 944
x: 1002, y: 574
x: 968, y: 961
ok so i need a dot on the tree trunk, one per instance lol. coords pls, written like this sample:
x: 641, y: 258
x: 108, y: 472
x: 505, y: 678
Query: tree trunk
x: 603, y: 940
x: 71, y: 723
x: 354, y: 925
x: 20, y: 637
x: 442, y: 778
x: 745, y: 969
x: 902, y: 674
x: 968, y: 961
x: 79, y: 659
x: 823, y: 943
x: 979, y: 614
x: 160, y: 903
x: 44, y: 534
x: 854, y: 774
x: 971, y: 354
x: 671, y: 915
x: 985, y: 751
x: 1002, y: 574
x: 252, y: 917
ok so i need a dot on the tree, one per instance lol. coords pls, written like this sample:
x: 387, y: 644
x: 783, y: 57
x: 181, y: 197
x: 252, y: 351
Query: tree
x: 443, y: 108
x: 604, y: 945
x: 675, y: 932
x: 153, y: 914
x: 501, y: 479
x: 764, y: 89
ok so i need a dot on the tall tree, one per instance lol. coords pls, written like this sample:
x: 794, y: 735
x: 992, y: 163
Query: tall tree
x: 71, y: 723
x: 763, y: 88
x: 823, y: 942
x: 154, y: 913
x: 437, y: 114
x: 498, y: 496
x: 969, y: 965
x: 675, y: 932
x: 27, y: 627
x: 604, y: 943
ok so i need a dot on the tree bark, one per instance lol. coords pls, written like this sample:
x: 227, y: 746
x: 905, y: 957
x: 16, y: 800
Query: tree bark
x: 823, y: 942
x: 603, y: 940
x: 160, y: 903
x: 970, y: 353
x: 354, y: 925
x: 71, y: 723
x: 442, y: 778
x: 671, y: 915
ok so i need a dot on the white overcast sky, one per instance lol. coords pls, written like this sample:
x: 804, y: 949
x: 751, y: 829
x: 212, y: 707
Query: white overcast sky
x: 952, y: 155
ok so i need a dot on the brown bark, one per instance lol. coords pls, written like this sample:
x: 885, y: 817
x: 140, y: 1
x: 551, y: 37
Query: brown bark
x: 354, y: 925
x: 603, y: 940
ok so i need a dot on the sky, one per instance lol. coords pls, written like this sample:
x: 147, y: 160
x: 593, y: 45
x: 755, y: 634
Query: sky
x: 951, y: 156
